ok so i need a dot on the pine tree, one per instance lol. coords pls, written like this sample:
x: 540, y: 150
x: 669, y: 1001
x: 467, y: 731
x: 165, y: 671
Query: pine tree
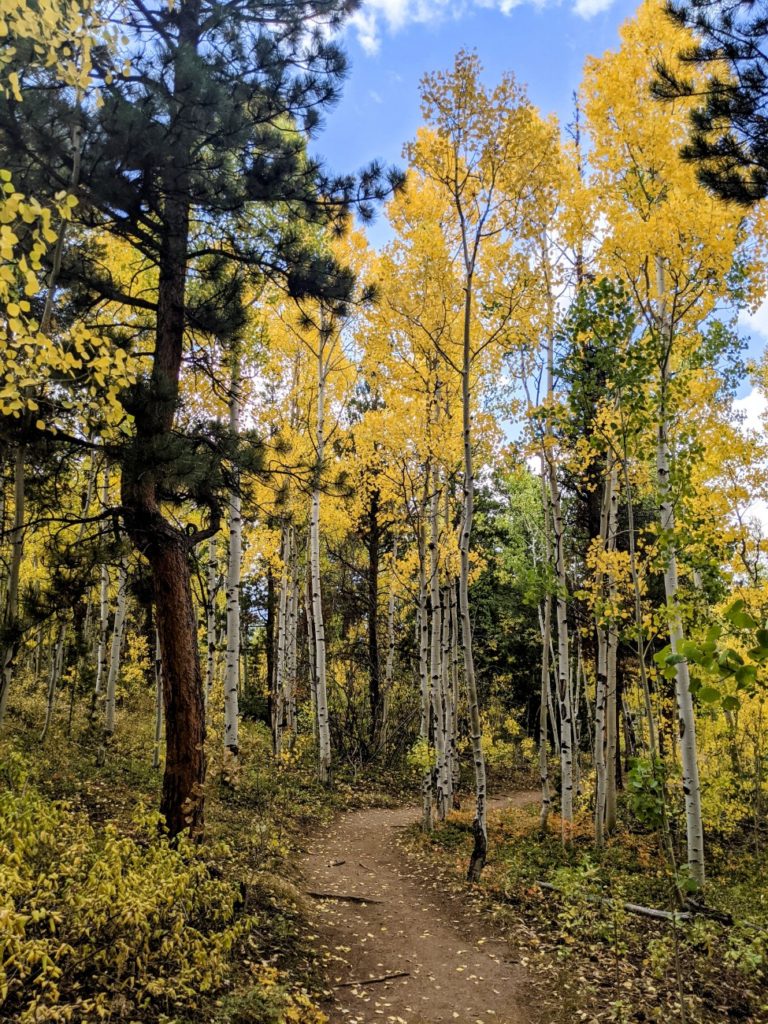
x: 197, y: 124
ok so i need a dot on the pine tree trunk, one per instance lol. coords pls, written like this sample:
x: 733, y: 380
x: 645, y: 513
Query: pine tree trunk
x: 291, y: 660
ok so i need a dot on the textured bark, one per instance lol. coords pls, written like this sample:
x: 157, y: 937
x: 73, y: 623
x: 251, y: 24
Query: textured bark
x: 479, y: 826
x: 389, y: 668
x: 158, y: 704
x: 422, y: 641
x: 232, y: 671
x: 210, y: 619
x: 545, y: 620
x: 435, y: 661
x: 373, y: 543
x: 686, y: 719
x: 114, y: 663
x: 54, y: 678
x: 323, y: 724
x: 10, y: 622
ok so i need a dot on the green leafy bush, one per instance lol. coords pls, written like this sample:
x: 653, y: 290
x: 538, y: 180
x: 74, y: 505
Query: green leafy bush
x: 101, y: 925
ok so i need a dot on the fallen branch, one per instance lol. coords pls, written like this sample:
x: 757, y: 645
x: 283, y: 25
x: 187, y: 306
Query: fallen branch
x: 631, y: 908
x: 341, y: 896
x: 373, y: 981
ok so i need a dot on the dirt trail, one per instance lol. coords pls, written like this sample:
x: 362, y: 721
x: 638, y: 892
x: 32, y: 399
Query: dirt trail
x: 452, y: 969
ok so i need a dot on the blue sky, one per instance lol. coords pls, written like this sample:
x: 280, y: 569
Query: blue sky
x: 392, y: 43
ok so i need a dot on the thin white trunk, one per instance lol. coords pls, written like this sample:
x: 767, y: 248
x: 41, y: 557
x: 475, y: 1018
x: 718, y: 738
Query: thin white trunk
x: 435, y: 662
x: 323, y: 724
x: 422, y: 640
x: 210, y: 615
x: 57, y: 667
x: 686, y: 719
x: 114, y: 661
x: 479, y: 826
x: 234, y: 564
x: 611, y: 710
x: 279, y: 701
x: 389, y: 668
x: 11, y: 610
x: 545, y: 622
x: 157, y: 745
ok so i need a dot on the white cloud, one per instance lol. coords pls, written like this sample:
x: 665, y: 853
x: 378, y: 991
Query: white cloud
x: 589, y: 8
x: 376, y: 16
x: 753, y: 408
x: 757, y: 321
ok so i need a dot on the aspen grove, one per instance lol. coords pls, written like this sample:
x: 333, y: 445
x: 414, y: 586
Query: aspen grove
x: 369, y: 597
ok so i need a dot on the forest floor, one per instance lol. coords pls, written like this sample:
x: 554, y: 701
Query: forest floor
x: 413, y: 951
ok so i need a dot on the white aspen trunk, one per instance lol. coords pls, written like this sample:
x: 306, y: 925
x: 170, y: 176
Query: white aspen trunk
x: 210, y: 614
x: 435, y: 664
x: 101, y: 650
x: 57, y: 667
x: 601, y: 689
x: 279, y: 700
x: 311, y: 654
x: 234, y: 565
x: 292, y: 638
x: 563, y: 660
x: 545, y: 626
x: 455, y: 659
x: 389, y: 668
x: 686, y: 718
x: 611, y: 735
x: 158, y: 704
x: 114, y: 664
x: 323, y: 724
x: 479, y: 826
x: 422, y: 641
x: 11, y: 609
x: 446, y: 698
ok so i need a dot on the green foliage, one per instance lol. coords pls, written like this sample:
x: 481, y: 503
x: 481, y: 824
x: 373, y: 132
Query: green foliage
x: 96, y: 924
x: 645, y: 795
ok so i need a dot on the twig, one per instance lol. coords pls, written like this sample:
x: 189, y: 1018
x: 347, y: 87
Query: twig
x: 341, y: 896
x: 373, y: 981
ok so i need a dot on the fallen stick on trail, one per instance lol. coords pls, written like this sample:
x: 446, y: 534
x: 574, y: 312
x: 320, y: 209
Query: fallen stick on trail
x: 341, y: 896
x: 373, y: 981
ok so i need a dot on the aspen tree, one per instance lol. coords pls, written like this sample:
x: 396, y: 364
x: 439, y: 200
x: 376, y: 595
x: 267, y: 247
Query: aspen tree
x: 491, y: 157
x: 234, y: 569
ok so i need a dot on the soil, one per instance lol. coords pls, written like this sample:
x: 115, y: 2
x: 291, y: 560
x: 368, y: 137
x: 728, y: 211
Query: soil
x: 448, y: 966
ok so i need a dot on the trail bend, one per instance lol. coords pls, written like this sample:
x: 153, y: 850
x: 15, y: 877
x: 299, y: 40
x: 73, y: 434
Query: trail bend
x: 450, y: 968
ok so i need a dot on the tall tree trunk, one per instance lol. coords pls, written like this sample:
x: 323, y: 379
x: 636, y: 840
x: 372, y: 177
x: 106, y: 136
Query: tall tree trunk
x: 158, y: 704
x: 479, y: 825
x: 210, y: 619
x: 389, y: 668
x: 57, y: 667
x: 279, y: 699
x: 422, y: 641
x: 108, y: 729
x: 374, y: 659
x: 435, y: 663
x: 11, y: 623
x: 545, y: 621
x: 686, y: 718
x: 323, y: 724
x: 232, y: 672
x: 166, y: 547
x: 291, y: 659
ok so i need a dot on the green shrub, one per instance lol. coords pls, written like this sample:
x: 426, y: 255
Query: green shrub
x: 101, y: 925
